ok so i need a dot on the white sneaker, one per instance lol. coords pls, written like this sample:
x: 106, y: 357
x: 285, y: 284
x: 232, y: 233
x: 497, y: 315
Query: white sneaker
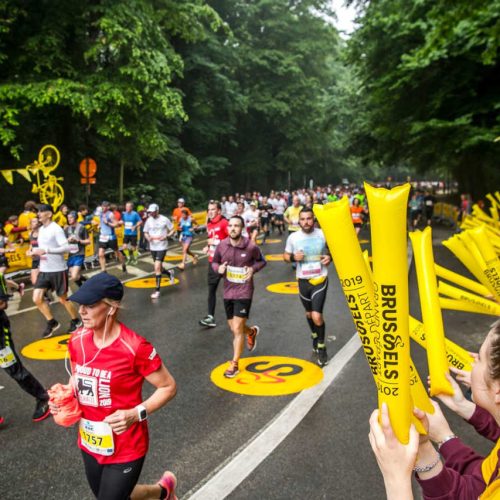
x: 155, y: 294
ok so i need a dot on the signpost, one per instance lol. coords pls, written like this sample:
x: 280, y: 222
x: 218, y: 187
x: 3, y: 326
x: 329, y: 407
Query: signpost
x: 88, y: 169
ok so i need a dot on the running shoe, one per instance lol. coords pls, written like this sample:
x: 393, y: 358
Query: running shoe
x: 195, y: 260
x: 134, y: 261
x: 2, y: 420
x: 41, y: 410
x: 168, y: 483
x: 22, y: 286
x: 155, y: 294
x: 171, y: 276
x: 233, y: 370
x: 322, y: 356
x: 252, y: 338
x: 74, y: 325
x: 181, y: 267
x: 51, y: 327
x: 209, y: 321
x: 315, y: 343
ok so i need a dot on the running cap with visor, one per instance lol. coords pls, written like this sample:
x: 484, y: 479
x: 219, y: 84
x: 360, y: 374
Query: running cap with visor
x: 101, y: 286
x: 181, y: 200
x: 44, y: 207
x: 153, y: 208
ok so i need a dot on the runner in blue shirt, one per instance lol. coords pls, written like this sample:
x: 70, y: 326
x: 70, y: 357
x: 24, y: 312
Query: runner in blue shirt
x: 186, y: 226
x: 131, y: 220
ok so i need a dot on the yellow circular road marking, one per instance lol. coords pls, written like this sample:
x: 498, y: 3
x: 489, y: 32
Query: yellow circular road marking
x: 287, y: 287
x: 274, y: 257
x: 149, y: 283
x: 269, y: 376
x: 52, y: 348
x: 272, y: 241
x: 172, y: 258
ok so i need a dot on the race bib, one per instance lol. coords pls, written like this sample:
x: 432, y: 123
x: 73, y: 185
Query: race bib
x: 310, y: 269
x: 97, y: 437
x: 429, y: 203
x: 73, y: 248
x: 7, y: 357
x: 293, y: 226
x: 104, y: 238
x: 236, y: 274
x: 129, y: 225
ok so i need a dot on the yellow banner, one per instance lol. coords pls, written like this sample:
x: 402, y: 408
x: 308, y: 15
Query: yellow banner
x: 8, y: 176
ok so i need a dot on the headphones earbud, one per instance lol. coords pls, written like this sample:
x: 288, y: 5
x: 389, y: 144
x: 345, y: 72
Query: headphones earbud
x: 111, y: 311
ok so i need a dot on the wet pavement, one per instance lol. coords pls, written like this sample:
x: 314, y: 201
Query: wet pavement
x: 326, y: 456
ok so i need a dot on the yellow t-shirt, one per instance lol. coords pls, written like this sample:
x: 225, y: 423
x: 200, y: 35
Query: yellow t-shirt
x: 292, y: 214
x: 25, y: 221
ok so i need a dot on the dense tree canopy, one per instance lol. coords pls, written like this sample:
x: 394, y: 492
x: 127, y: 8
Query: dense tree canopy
x: 201, y: 97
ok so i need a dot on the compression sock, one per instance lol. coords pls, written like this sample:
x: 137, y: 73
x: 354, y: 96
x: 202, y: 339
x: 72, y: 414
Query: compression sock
x: 158, y: 281
x: 312, y: 326
x: 135, y: 254
x: 320, y: 330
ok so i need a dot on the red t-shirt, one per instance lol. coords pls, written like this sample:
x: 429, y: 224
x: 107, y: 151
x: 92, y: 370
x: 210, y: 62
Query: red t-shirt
x: 216, y: 231
x: 109, y: 381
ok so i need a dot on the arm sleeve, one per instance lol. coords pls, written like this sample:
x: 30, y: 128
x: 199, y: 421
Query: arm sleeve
x: 485, y: 424
x: 62, y: 242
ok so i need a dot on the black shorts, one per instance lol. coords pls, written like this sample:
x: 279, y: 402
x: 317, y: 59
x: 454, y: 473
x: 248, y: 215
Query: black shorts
x: 313, y: 296
x: 240, y: 308
x: 129, y: 238
x: 279, y: 217
x: 112, y: 244
x: 158, y: 255
x: 56, y: 281
x: 112, y: 481
x: 213, y: 276
x: 3, y: 261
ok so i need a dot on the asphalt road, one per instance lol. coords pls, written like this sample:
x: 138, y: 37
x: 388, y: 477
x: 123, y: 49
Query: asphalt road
x: 327, y: 455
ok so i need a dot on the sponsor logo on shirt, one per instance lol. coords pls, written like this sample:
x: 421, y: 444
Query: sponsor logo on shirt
x: 152, y: 355
x: 93, y: 386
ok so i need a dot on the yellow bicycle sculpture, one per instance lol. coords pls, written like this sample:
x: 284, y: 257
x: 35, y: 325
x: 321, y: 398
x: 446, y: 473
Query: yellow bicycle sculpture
x: 48, y: 188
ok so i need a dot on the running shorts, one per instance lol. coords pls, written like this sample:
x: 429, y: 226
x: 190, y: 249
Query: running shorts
x: 75, y: 260
x: 237, y: 307
x: 112, y: 244
x: 130, y: 238
x: 158, y: 255
x: 56, y: 281
x: 313, y: 296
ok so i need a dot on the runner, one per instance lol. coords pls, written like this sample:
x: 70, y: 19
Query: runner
x: 308, y: 248
x: 25, y: 218
x: 265, y: 211
x: 107, y: 236
x: 131, y: 220
x: 357, y: 212
x: 35, y: 259
x: 251, y: 218
x: 109, y: 364
x: 291, y: 215
x: 5, y: 248
x: 12, y: 365
x: 61, y: 216
x: 216, y: 232
x: 186, y: 226
x: 237, y: 259
x: 52, y: 245
x: 78, y: 239
x: 177, y: 214
x: 157, y: 230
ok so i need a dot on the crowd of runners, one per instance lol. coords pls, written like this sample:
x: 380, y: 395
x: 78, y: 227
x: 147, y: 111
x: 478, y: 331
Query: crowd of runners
x: 235, y: 227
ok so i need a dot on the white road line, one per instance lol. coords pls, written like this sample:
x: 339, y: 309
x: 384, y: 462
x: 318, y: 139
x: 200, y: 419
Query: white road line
x: 244, y: 461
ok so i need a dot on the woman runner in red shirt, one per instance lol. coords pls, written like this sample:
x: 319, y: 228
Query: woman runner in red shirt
x: 109, y: 363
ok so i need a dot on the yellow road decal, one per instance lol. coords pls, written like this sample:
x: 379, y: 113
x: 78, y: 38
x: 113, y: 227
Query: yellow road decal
x: 287, y: 287
x: 274, y: 257
x: 271, y: 242
x: 172, y: 258
x: 269, y: 376
x: 149, y: 283
x: 52, y: 348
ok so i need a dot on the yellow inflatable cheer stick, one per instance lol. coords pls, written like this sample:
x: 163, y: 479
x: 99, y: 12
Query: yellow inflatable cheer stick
x: 390, y: 280
x: 484, y: 305
x: 457, y: 356
x: 431, y: 312
x: 460, y: 305
x: 458, y: 279
x: 356, y: 280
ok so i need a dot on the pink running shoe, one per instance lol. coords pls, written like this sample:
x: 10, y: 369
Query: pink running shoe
x: 169, y: 482
x: 22, y: 286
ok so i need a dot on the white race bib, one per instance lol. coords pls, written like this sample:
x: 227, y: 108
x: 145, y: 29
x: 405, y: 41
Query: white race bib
x: 104, y: 238
x: 310, y: 269
x: 129, y: 225
x: 73, y: 248
x: 97, y: 437
x: 7, y: 357
x: 236, y: 274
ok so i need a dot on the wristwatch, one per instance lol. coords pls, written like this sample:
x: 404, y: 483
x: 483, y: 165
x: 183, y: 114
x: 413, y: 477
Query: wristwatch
x: 142, y: 412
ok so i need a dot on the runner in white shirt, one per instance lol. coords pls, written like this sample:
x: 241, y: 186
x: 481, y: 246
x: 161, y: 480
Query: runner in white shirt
x: 157, y: 230
x: 280, y: 205
x: 308, y: 248
x: 251, y: 218
x: 230, y: 207
x: 52, y: 245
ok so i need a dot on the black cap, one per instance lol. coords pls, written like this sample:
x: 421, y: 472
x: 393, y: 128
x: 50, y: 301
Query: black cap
x: 101, y: 286
x: 3, y: 296
x: 44, y: 207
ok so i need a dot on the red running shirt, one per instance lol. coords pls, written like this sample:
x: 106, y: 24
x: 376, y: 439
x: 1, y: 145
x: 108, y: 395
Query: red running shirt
x: 216, y: 231
x: 113, y: 381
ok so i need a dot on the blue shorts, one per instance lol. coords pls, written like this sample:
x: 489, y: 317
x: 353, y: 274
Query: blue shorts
x: 76, y: 260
